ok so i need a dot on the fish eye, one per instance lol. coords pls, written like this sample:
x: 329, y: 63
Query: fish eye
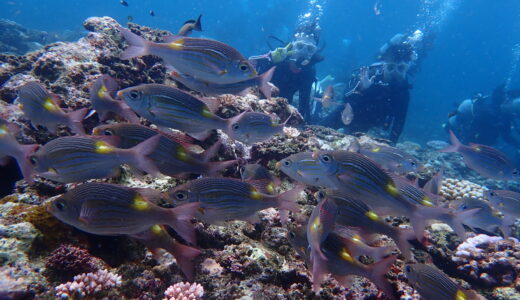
x: 292, y: 235
x: 59, y: 205
x: 181, y: 195
x: 492, y: 193
x: 243, y: 66
x: 408, y: 269
x: 33, y: 160
x: 287, y: 163
x: 413, y: 163
x: 321, y: 194
x: 326, y: 158
x: 515, y: 172
x: 134, y: 94
x: 108, y: 132
x: 235, y: 126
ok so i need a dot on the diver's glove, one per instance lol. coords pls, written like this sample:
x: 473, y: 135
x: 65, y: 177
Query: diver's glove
x: 280, y: 54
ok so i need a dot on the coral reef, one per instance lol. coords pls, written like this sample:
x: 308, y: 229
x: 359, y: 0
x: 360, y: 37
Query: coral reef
x: 457, y: 189
x: 184, y: 291
x: 88, y: 284
x: 67, y: 261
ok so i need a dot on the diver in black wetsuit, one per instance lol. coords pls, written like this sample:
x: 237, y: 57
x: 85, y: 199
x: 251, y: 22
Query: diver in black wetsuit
x: 483, y: 119
x: 295, y: 66
x: 380, y: 92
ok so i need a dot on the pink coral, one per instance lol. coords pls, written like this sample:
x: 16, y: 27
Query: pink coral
x: 88, y: 284
x: 184, y: 291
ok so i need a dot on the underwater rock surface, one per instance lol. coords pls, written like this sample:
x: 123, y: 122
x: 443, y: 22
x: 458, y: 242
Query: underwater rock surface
x: 240, y: 260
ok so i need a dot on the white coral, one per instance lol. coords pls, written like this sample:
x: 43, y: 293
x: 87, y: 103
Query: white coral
x: 184, y: 291
x: 88, y: 284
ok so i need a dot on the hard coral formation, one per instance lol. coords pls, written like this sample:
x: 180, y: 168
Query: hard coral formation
x: 457, y: 189
x: 489, y: 261
x: 184, y: 291
x: 88, y: 284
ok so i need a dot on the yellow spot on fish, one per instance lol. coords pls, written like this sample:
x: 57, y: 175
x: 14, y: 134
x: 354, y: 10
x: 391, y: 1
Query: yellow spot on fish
x: 49, y: 105
x: 476, y: 148
x: 181, y: 154
x: 3, y: 130
x: 255, y: 195
x: 52, y: 170
x: 376, y: 149
x: 372, y: 215
x: 102, y: 90
x: 103, y: 148
x: 345, y: 255
x: 177, y: 44
x: 460, y: 295
x: 270, y: 188
x: 274, y: 124
x: 316, y: 224
x: 426, y: 201
x: 139, y: 203
x: 20, y: 106
x: 356, y: 239
x: 391, y: 189
x: 156, y: 229
x: 207, y: 113
x: 201, y: 210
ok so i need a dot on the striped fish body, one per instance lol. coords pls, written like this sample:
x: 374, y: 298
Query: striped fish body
x: 222, y: 199
x: 170, y: 155
x: 485, y: 219
x: 107, y: 209
x: 101, y: 96
x: 489, y: 162
x: 257, y: 173
x: 433, y: 284
x: 75, y: 159
x: 355, y: 213
x: 170, y: 107
x: 209, y: 88
x: 392, y: 159
x: 253, y: 127
x: 485, y: 160
x: 305, y: 168
x: 361, y: 178
x: 203, y: 59
x: 508, y: 202
x: 342, y: 263
x: 41, y: 108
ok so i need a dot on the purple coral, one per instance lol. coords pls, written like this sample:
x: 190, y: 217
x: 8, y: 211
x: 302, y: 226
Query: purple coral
x: 88, y: 284
x: 184, y: 291
x: 67, y: 261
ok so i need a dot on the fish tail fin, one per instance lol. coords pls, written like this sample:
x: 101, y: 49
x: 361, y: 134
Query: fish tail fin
x: 264, y: 85
x: 401, y: 238
x: 198, y: 24
x: 377, y: 275
x: 379, y: 253
x: 180, y: 220
x: 505, y: 227
x: 287, y: 201
x: 455, y: 221
x: 138, y: 46
x: 211, y: 151
x: 24, y: 163
x: 422, y: 214
x: 126, y: 112
x: 319, y: 270
x: 184, y: 255
x: 75, y: 120
x: 140, y: 154
x: 455, y: 144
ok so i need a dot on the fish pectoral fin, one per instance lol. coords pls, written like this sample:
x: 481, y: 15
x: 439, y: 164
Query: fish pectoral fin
x: 87, y: 213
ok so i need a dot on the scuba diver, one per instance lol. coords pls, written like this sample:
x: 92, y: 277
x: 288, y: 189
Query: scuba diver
x: 483, y: 119
x: 380, y: 93
x: 295, y: 65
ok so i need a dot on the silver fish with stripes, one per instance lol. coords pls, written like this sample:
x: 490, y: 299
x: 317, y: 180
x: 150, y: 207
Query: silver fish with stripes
x: 203, y: 59
x: 111, y: 209
x: 76, y: 159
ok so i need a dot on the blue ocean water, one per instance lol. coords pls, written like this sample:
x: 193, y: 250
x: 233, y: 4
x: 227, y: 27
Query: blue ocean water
x: 472, y: 49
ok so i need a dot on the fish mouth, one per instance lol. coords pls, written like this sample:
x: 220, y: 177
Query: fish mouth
x: 120, y: 94
x: 278, y: 165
